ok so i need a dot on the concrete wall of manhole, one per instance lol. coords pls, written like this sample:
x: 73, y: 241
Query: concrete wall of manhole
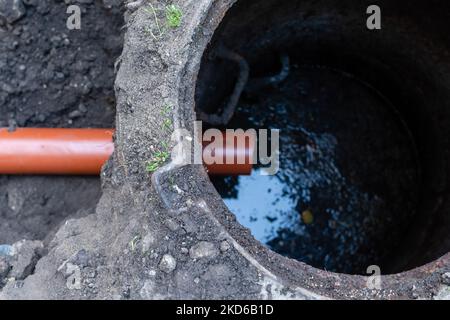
x: 364, y: 142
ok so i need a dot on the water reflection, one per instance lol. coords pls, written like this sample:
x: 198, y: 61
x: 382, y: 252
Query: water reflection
x: 348, y: 175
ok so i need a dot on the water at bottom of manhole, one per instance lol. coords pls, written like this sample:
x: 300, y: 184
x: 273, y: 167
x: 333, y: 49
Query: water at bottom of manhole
x: 348, y: 172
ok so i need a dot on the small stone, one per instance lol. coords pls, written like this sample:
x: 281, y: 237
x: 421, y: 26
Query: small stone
x: 134, y: 5
x: 55, y: 40
x: 224, y: 246
x: 184, y: 250
x: 59, y: 76
x: 73, y: 274
x: 12, y: 10
x: 82, y: 108
x: 148, y: 242
x: 75, y: 114
x: 203, y: 249
x: 167, y: 263
x: 13, y: 45
x: 446, y: 278
x: 86, y: 88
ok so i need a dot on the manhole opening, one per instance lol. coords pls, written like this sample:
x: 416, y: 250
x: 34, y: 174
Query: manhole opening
x: 59, y: 78
x: 362, y: 158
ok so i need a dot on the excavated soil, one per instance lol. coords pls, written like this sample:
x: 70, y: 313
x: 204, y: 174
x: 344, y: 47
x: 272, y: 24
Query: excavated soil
x: 54, y: 77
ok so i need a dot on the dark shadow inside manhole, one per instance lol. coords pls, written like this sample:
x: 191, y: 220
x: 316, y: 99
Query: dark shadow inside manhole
x: 364, y: 118
x: 51, y: 76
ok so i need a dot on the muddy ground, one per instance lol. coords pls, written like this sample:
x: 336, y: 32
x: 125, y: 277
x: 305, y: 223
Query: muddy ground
x: 54, y: 77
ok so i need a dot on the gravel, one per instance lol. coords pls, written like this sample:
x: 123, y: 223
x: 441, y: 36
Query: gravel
x: 167, y: 263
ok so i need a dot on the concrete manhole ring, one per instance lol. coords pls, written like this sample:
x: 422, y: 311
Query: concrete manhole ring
x: 172, y: 236
x: 280, y: 277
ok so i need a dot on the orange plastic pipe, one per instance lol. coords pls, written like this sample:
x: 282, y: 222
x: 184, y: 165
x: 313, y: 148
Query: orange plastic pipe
x: 77, y: 152
x: 231, y: 150
x: 54, y: 151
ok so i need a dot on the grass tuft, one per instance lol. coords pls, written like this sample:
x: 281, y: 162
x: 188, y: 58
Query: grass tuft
x: 159, y: 158
x: 174, y: 16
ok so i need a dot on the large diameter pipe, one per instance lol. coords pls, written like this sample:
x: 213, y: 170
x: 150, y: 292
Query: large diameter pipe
x: 82, y: 152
